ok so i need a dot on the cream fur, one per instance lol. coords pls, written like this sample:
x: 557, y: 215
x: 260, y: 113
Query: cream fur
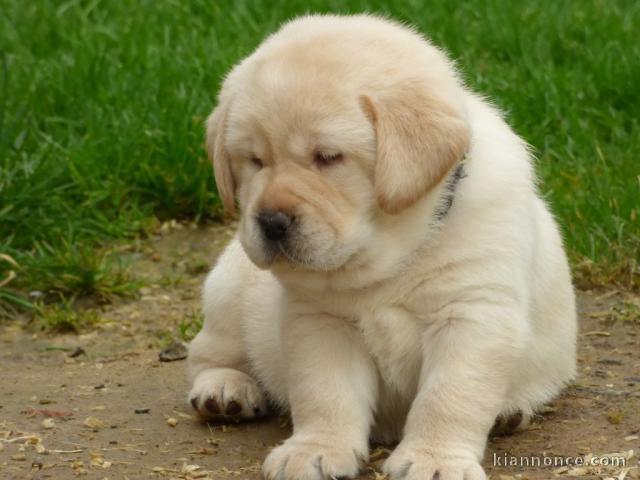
x: 379, y: 321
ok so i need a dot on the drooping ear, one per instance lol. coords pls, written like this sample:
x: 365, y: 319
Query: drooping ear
x: 419, y: 138
x: 214, y: 143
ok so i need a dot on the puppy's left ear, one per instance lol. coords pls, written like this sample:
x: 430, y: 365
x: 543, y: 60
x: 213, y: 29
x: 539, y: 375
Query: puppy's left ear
x: 419, y: 138
x: 214, y: 143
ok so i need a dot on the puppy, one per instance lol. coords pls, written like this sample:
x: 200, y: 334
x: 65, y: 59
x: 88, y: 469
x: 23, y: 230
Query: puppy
x: 395, y: 275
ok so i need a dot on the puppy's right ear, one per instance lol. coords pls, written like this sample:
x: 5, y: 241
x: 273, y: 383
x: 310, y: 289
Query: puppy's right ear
x: 216, y: 125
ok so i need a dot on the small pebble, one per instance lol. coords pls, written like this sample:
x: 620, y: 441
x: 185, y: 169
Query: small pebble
x: 175, y: 351
x: 77, y: 352
x: 172, y: 422
x: 48, y: 423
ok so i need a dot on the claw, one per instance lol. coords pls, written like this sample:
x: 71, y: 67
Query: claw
x: 212, y: 406
x: 233, y: 408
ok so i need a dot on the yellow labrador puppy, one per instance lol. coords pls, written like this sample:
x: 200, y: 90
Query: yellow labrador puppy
x: 395, y: 276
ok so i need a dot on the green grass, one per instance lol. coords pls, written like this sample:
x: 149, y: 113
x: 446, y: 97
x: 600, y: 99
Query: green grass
x: 190, y: 325
x: 102, y: 104
x: 63, y: 317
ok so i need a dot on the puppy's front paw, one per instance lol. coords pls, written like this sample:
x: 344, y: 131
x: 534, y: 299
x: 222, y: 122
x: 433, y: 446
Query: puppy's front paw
x: 414, y: 461
x: 312, y: 458
x: 227, y: 392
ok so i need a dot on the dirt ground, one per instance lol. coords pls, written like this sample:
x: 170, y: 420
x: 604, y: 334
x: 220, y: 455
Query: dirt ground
x: 117, y: 412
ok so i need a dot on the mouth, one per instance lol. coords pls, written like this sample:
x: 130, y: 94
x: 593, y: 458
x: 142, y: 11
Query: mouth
x: 290, y: 256
x: 274, y: 251
x: 282, y: 252
x: 296, y: 251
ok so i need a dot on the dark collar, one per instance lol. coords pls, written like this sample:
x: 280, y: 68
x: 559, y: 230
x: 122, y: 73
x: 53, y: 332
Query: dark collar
x: 449, y: 191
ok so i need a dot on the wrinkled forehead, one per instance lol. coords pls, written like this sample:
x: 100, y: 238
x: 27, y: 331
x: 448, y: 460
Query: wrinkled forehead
x: 294, y: 107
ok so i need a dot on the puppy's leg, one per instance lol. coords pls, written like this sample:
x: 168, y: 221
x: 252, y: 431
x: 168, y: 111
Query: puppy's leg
x: 332, y: 389
x: 469, y: 357
x: 218, y: 364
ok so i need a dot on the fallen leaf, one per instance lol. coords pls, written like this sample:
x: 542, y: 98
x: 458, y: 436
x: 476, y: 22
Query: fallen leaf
x: 33, y: 412
x: 96, y: 459
x: 94, y: 423
x: 189, y: 468
x: 597, y: 333
x: 614, y: 416
x: 203, y: 451
x: 578, y: 471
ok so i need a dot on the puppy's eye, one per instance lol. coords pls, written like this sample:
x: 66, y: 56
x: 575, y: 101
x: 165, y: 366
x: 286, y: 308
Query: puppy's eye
x: 326, y: 160
x: 256, y: 161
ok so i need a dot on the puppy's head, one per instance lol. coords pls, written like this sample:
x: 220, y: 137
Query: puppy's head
x: 333, y: 125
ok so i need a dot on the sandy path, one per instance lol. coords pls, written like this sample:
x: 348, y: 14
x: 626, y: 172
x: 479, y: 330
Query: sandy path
x: 102, y: 436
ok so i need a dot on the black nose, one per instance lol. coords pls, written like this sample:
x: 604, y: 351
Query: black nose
x: 274, y: 225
